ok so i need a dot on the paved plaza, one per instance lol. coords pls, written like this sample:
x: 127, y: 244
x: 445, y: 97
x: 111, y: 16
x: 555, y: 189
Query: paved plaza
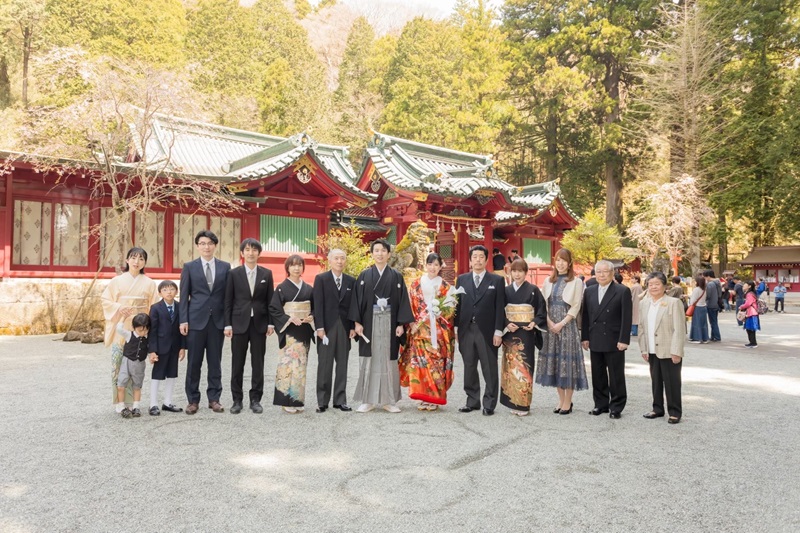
x: 69, y: 463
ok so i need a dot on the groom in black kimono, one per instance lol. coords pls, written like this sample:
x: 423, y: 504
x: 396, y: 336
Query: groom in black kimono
x: 480, y: 318
x: 379, y: 285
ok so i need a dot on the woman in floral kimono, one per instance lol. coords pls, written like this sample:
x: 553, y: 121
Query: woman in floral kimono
x: 291, y: 313
x: 523, y: 299
x: 126, y: 295
x: 426, y: 361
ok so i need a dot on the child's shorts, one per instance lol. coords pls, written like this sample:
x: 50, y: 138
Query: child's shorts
x: 166, y: 366
x: 131, y: 371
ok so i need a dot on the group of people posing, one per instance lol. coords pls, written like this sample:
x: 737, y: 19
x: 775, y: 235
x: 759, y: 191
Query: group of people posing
x: 406, y: 335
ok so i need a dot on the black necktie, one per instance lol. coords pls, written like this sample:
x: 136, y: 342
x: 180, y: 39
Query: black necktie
x: 338, y: 284
x: 171, y: 313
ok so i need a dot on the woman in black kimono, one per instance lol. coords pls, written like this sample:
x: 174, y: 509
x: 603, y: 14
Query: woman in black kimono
x: 291, y: 313
x: 516, y: 377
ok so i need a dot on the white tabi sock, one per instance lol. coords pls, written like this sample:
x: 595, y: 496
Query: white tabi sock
x: 154, y: 392
x: 168, y: 391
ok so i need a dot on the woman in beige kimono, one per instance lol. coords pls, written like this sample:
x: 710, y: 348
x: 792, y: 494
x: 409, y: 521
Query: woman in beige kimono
x: 126, y: 295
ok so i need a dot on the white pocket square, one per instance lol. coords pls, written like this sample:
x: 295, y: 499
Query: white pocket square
x: 348, y: 288
x: 491, y: 287
x: 263, y: 281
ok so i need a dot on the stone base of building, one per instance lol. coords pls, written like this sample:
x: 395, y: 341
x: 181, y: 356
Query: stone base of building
x: 41, y: 306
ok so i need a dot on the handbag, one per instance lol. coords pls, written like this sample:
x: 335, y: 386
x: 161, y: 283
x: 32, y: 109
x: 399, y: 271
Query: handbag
x: 740, y: 316
x: 690, y: 310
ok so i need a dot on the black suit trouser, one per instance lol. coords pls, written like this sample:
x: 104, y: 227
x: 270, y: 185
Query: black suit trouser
x: 666, y: 377
x: 207, y: 343
x: 336, y: 351
x: 608, y: 380
x: 258, y: 347
x: 474, y: 349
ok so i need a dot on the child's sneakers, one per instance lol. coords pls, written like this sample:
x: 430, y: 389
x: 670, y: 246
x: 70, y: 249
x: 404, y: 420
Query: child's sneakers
x: 154, y: 411
x: 126, y: 413
x: 136, y: 412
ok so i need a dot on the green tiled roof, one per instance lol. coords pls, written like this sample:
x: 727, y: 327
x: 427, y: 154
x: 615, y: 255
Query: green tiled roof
x: 209, y: 151
x: 431, y: 169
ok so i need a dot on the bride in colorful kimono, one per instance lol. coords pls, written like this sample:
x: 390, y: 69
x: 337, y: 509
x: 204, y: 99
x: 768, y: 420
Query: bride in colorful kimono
x: 526, y: 317
x: 126, y: 295
x: 426, y: 361
x: 291, y: 313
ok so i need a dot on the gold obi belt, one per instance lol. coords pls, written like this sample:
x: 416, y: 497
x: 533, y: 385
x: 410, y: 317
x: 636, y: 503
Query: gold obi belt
x: 299, y: 310
x: 521, y: 314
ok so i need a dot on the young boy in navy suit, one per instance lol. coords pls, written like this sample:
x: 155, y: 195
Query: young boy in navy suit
x: 167, y: 346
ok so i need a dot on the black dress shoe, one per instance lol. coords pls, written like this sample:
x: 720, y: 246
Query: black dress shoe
x: 674, y: 420
x: 488, y: 412
x: 597, y: 411
x: 615, y: 415
x: 653, y: 414
x: 256, y: 408
x: 566, y: 411
x: 171, y: 408
x: 344, y: 407
x: 467, y: 409
x: 557, y: 410
x: 322, y: 408
x: 236, y: 408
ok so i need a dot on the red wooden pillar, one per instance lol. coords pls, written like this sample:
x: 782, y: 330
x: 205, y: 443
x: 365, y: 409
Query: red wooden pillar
x: 7, y: 215
x: 488, y: 238
x: 462, y: 250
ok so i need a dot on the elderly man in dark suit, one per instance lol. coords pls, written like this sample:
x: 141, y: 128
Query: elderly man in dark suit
x: 248, y: 293
x: 202, y: 308
x: 333, y: 291
x: 480, y: 318
x: 606, y: 333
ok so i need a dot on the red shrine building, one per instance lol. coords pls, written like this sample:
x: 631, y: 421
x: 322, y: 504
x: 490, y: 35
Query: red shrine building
x: 461, y: 197
x: 293, y: 189
x: 290, y: 188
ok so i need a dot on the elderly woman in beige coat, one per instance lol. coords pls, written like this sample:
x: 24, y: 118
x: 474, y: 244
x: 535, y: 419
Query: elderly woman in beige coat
x: 661, y: 338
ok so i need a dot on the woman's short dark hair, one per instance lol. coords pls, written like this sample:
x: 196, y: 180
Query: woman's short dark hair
x: 382, y: 242
x: 142, y: 320
x: 433, y: 256
x: 700, y: 280
x: 294, y: 259
x: 252, y: 243
x: 207, y: 234
x: 519, y: 264
x: 132, y: 252
x: 657, y: 275
x: 638, y: 279
x: 676, y: 280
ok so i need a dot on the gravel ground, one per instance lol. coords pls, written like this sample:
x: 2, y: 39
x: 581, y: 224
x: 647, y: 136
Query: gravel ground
x: 69, y: 463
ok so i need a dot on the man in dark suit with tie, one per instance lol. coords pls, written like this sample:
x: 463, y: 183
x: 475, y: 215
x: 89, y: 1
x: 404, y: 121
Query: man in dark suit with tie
x: 248, y: 293
x: 480, y: 318
x: 333, y: 291
x: 202, y: 309
x: 606, y: 333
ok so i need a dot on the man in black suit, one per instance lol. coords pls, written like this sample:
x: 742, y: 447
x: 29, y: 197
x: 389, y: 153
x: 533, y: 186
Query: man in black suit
x: 606, y: 333
x: 480, y: 318
x: 248, y: 293
x: 333, y: 291
x: 202, y: 309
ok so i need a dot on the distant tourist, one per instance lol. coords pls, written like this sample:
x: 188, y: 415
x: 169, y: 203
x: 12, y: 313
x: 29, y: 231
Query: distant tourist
x: 699, y: 330
x: 714, y: 303
x: 636, y: 295
x: 780, y: 293
x: 748, y: 313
